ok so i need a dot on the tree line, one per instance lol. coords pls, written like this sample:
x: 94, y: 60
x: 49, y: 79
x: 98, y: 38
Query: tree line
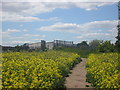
x: 98, y: 46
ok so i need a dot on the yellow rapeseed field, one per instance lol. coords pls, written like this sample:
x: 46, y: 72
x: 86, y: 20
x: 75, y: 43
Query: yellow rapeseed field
x: 36, y: 69
x: 103, y: 70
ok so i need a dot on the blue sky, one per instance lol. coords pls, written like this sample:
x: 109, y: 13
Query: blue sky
x: 31, y: 22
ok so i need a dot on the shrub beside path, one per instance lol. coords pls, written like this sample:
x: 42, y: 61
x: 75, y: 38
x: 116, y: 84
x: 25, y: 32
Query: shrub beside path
x: 77, y: 78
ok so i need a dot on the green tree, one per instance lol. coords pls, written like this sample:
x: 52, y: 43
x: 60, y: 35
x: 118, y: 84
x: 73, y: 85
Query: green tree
x: 94, y: 44
x: 106, y: 46
x: 25, y: 47
x: 83, y: 45
x: 18, y: 48
x: 117, y: 43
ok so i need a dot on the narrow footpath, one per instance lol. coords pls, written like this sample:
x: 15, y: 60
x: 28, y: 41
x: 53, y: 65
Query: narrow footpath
x: 77, y: 78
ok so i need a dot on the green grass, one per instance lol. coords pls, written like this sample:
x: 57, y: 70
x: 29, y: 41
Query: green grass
x: 82, y: 53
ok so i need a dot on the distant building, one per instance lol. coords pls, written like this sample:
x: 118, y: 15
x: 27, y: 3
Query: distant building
x: 50, y: 45
x: 58, y: 43
x: 35, y: 45
x: 38, y: 45
x: 75, y: 45
x: 43, y: 45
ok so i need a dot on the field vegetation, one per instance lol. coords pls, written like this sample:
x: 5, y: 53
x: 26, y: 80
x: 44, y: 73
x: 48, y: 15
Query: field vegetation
x: 23, y: 68
x: 103, y: 70
x: 37, y: 69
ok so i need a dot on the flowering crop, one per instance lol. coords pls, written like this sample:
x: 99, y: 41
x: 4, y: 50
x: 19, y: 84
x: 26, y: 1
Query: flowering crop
x: 103, y: 70
x: 36, y: 69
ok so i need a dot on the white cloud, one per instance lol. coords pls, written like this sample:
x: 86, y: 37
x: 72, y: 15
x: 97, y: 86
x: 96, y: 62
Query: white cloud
x: 37, y: 39
x: 77, y: 28
x: 6, y: 16
x: 12, y: 30
x: 9, y: 39
x: 52, y: 19
x: 61, y: 27
x: 60, y: 1
x: 29, y: 8
x: 15, y: 42
x: 90, y: 5
x: 8, y: 32
x: 26, y: 37
x: 88, y: 31
x: 26, y: 11
x: 34, y: 35
x: 25, y: 30
x: 20, y: 18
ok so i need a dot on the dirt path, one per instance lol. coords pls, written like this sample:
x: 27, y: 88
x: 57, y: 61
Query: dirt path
x: 77, y: 78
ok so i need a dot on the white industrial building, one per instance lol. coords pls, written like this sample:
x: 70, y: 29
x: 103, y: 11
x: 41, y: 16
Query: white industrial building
x: 63, y: 43
x: 35, y: 45
x: 50, y: 45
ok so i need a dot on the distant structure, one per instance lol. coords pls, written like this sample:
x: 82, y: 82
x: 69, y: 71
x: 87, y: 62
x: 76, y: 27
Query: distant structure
x: 35, y: 45
x: 58, y: 43
x: 38, y: 45
x: 43, y: 45
x: 50, y: 45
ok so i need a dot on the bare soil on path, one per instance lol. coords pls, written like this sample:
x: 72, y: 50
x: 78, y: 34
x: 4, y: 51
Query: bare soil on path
x: 77, y: 78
